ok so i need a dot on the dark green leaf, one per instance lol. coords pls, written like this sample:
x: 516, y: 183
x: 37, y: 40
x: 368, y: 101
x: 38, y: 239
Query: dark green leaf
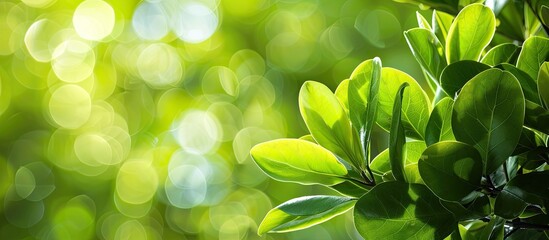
x: 494, y: 229
x: 304, y: 212
x: 439, y: 127
x: 457, y: 74
x: 521, y: 191
x: 427, y: 50
x: 398, y: 210
x: 543, y: 85
x: 535, y: 51
x: 527, y: 83
x: 300, y: 161
x: 536, y: 117
x: 470, y: 33
x: 452, y: 170
x: 503, y: 53
x: 488, y: 114
x: 397, y: 138
x: 328, y: 123
x: 478, y: 208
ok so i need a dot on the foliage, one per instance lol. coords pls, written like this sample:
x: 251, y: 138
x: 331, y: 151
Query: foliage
x: 471, y: 163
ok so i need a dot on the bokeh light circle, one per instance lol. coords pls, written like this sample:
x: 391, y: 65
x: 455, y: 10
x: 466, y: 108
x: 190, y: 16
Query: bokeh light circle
x: 198, y: 132
x: 136, y: 182
x: 70, y: 106
x: 186, y: 186
x: 150, y: 21
x: 93, y: 19
x: 38, y: 3
x: 194, y: 22
x: 159, y: 65
x: 40, y: 39
x: 73, y: 61
x: 93, y: 149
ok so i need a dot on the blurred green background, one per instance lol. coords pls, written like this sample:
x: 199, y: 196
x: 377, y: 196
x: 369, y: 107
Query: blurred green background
x: 134, y: 119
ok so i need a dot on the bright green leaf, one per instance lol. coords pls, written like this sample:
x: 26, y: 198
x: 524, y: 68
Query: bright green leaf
x: 327, y: 121
x: 300, y: 161
x: 470, y: 33
x: 503, y: 53
x: 304, y: 212
x: 488, y: 114
x: 398, y: 210
x: 427, y: 50
x: 439, y: 127
x: 381, y: 163
x: 457, y: 74
x: 441, y: 23
x: 535, y: 51
x: 521, y: 191
x: 350, y: 189
x: 415, y: 103
x: 342, y: 93
x: 452, y: 170
x: 543, y: 84
x: 397, y: 139
x: 422, y: 22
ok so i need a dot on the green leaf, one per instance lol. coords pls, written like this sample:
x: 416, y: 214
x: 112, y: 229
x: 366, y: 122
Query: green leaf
x: 452, y: 170
x: 308, y: 137
x: 427, y: 50
x: 543, y: 84
x: 503, y: 53
x: 300, y: 161
x: 457, y: 74
x: 494, y: 229
x: 350, y: 189
x: 470, y: 33
x: 422, y: 22
x: 441, y: 23
x: 478, y: 208
x: 415, y: 103
x: 363, y: 99
x: 536, y: 117
x: 527, y: 83
x: 327, y: 121
x: 381, y: 163
x: 397, y: 139
x: 450, y: 6
x: 398, y: 210
x: 535, y: 51
x: 521, y: 191
x: 304, y: 212
x: 488, y: 114
x: 439, y: 127
x: 342, y: 93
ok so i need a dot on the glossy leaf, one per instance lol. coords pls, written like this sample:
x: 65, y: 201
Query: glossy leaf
x: 488, y: 114
x: 521, y: 191
x: 536, y: 117
x: 478, y: 208
x: 441, y: 23
x: 327, y: 121
x: 452, y: 170
x: 342, y: 94
x: 457, y: 74
x: 398, y: 210
x: 397, y: 138
x: 527, y: 84
x: 415, y: 103
x: 300, y: 161
x: 381, y: 163
x: 439, y: 127
x: 304, y: 212
x: 535, y: 51
x: 503, y: 53
x: 363, y: 98
x: 543, y: 84
x: 422, y: 22
x: 427, y: 50
x: 350, y: 189
x: 470, y: 33
x: 494, y: 229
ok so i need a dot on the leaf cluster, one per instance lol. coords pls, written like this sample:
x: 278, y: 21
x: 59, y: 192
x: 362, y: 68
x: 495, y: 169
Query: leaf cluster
x: 471, y: 163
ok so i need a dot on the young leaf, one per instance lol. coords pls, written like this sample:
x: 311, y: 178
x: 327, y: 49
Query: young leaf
x: 488, y: 114
x: 363, y: 98
x: 452, y: 170
x: 398, y: 210
x: 381, y: 163
x: 441, y: 23
x: 327, y: 121
x: 543, y: 84
x: 457, y: 74
x: 503, y: 53
x: 427, y: 50
x: 342, y: 94
x: 415, y: 103
x: 470, y: 33
x: 304, y: 212
x: 535, y: 51
x: 422, y: 22
x: 439, y: 127
x: 397, y: 139
x: 521, y: 191
x: 299, y: 161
